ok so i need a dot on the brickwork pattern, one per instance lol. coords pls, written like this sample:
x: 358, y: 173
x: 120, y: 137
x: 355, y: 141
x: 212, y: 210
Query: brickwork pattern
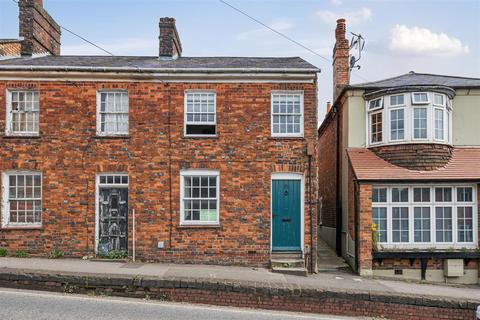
x: 70, y: 155
x: 416, y: 156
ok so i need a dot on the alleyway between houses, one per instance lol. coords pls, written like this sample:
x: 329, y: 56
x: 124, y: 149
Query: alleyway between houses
x: 333, y: 280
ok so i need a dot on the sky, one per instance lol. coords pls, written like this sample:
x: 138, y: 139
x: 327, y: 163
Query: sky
x: 430, y: 36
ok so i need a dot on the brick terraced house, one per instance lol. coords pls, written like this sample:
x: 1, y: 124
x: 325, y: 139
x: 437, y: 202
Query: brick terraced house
x: 399, y: 174
x: 182, y: 159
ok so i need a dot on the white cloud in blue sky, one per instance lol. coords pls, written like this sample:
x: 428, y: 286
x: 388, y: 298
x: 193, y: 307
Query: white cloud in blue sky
x: 422, y: 41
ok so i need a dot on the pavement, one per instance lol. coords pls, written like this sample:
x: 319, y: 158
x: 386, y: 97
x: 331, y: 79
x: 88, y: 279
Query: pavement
x: 335, y: 280
x: 34, y: 305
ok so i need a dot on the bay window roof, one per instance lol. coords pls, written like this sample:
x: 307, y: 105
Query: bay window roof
x: 367, y: 166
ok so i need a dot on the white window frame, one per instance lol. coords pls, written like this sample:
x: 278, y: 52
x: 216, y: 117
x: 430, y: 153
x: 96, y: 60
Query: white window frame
x: 99, y: 112
x: 186, y: 122
x: 302, y: 114
x: 428, y: 123
x: 420, y: 102
x: 443, y: 97
x: 390, y: 123
x: 6, y: 203
x: 380, y: 105
x: 203, y: 173
x: 9, y: 124
x: 432, y: 204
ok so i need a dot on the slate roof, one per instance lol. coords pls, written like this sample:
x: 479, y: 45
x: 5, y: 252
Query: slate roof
x: 421, y: 79
x: 367, y: 166
x: 287, y: 64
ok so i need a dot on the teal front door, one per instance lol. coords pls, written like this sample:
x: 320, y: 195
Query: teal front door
x: 286, y: 206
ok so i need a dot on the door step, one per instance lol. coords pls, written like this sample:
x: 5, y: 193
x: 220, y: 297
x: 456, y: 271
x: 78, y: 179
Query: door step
x: 288, y: 263
x: 291, y: 271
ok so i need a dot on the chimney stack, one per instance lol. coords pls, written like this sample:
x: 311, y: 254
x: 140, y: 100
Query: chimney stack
x: 170, y: 45
x: 41, y: 34
x: 341, y: 68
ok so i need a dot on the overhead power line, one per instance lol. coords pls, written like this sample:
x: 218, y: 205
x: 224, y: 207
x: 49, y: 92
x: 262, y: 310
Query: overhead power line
x: 283, y: 35
x: 80, y: 37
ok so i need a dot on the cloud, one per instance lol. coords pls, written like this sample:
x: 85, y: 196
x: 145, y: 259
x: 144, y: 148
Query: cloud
x: 352, y: 17
x: 280, y: 25
x: 423, y: 42
x: 336, y: 2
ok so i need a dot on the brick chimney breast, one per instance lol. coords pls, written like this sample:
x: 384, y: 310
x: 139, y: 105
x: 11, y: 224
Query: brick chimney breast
x: 341, y: 68
x: 169, y: 41
x: 41, y: 34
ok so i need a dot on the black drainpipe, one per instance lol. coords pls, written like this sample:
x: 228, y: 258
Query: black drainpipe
x: 310, y: 196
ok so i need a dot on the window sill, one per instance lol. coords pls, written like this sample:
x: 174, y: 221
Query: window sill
x: 199, y: 226
x: 21, y: 137
x: 213, y: 137
x: 18, y: 227
x: 120, y: 137
x: 286, y: 138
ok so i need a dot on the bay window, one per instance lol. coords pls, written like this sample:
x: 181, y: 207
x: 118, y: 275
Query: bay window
x: 419, y: 216
x: 425, y: 117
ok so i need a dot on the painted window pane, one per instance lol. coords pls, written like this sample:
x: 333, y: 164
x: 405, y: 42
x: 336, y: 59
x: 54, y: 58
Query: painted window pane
x: 200, y: 113
x: 286, y: 113
x: 376, y: 127
x: 200, y: 198
x: 400, y: 224
x: 464, y: 194
x: 399, y: 194
x: 24, y: 112
x: 439, y: 124
x: 379, y: 195
x: 421, y: 224
x: 113, y: 113
x: 24, y: 198
x: 443, y: 194
x: 438, y: 99
x: 420, y: 97
x: 379, y: 218
x: 421, y: 194
x: 465, y: 224
x: 397, y: 100
x: 443, y: 224
x: 397, y: 124
x: 420, y: 123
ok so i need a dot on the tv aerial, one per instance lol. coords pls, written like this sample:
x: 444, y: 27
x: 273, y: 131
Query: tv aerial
x: 357, y: 43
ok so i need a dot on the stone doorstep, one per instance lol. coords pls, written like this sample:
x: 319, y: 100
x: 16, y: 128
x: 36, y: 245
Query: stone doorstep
x: 294, y: 271
x: 40, y: 280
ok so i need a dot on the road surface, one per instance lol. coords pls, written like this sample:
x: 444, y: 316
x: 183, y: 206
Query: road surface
x: 35, y: 305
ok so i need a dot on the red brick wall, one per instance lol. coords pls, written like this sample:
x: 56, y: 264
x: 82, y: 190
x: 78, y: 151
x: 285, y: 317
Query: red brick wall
x: 364, y: 237
x: 69, y: 154
x: 327, y: 170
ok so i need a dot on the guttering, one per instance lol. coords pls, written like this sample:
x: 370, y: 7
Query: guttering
x: 156, y: 70
x: 450, y: 92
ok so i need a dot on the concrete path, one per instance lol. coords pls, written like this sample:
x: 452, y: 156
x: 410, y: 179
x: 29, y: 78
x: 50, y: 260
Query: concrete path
x: 337, y: 281
x: 328, y: 260
x: 35, y: 305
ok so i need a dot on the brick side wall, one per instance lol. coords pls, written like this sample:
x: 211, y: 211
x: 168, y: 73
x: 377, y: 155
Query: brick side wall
x: 70, y: 155
x: 416, y: 156
x: 365, y: 229
x: 327, y: 171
